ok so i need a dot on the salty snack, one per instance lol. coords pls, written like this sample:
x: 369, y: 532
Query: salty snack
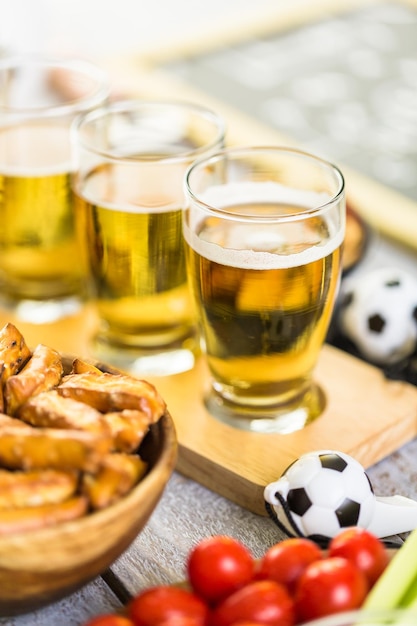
x: 83, y: 367
x: 33, y: 518
x: 51, y: 410
x: 6, y: 420
x: 117, y: 475
x: 69, y: 438
x: 42, y: 372
x: 109, y: 392
x: 35, y: 487
x: 13, y: 355
x: 25, y: 449
x: 128, y: 428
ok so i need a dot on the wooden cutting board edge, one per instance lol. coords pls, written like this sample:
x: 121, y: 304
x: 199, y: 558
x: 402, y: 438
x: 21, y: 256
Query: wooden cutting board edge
x: 367, y: 416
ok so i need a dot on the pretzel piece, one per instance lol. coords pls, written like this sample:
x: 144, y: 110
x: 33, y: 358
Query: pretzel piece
x: 13, y: 355
x: 35, y: 518
x: 118, y: 474
x: 111, y: 392
x: 37, y: 448
x: 42, y: 372
x: 51, y: 410
x: 20, y: 489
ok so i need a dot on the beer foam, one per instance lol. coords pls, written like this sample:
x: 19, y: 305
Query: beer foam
x: 258, y: 259
x: 257, y: 246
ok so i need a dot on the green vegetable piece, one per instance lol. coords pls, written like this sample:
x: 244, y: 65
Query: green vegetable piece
x: 397, y: 585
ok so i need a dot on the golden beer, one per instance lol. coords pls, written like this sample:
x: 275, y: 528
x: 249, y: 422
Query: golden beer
x: 39, y: 256
x: 264, y: 228
x: 129, y: 183
x: 265, y: 298
x: 41, y: 277
x: 136, y: 260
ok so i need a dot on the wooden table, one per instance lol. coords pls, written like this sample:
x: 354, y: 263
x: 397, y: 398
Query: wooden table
x: 187, y: 511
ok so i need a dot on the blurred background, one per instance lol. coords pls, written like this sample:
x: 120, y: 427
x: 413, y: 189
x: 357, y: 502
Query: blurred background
x: 338, y: 77
x: 103, y: 27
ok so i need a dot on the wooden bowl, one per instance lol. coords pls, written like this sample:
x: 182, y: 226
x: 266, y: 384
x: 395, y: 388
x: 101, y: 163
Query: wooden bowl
x: 43, y: 566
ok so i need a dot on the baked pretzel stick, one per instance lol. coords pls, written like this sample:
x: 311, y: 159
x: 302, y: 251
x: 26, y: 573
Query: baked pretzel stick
x: 35, y: 487
x: 37, y: 448
x: 110, y: 392
x: 13, y: 355
x: 117, y: 475
x: 6, y: 420
x: 128, y: 428
x: 42, y: 372
x: 34, y: 518
x: 13, y: 350
x: 51, y: 410
x: 83, y: 367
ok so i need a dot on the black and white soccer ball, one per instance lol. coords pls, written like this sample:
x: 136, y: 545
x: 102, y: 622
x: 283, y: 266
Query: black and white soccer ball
x: 320, y: 494
x: 378, y: 314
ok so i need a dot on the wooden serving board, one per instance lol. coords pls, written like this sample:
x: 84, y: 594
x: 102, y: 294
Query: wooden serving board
x: 366, y: 416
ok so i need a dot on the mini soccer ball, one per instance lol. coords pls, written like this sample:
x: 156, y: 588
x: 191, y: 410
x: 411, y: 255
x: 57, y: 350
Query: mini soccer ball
x: 323, y: 492
x: 378, y: 313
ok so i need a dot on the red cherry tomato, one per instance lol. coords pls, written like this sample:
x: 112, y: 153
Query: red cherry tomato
x: 285, y: 561
x: 158, y: 604
x: 180, y: 621
x: 329, y: 586
x: 109, y: 620
x: 363, y: 549
x: 218, y: 566
x: 263, y: 601
x: 247, y: 623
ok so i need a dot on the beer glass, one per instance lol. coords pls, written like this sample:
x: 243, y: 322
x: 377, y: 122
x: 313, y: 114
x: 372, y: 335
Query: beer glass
x: 132, y: 157
x: 41, y: 277
x: 264, y: 228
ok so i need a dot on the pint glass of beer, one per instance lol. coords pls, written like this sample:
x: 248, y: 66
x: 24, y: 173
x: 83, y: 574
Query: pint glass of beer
x: 41, y: 277
x: 132, y: 158
x: 264, y: 229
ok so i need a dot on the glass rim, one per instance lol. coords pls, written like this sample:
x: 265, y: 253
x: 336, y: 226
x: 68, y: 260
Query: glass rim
x: 235, y: 152
x: 74, y: 105
x: 127, y: 106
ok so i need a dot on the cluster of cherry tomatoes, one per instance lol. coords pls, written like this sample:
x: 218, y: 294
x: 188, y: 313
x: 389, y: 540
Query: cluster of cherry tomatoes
x: 294, y: 582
